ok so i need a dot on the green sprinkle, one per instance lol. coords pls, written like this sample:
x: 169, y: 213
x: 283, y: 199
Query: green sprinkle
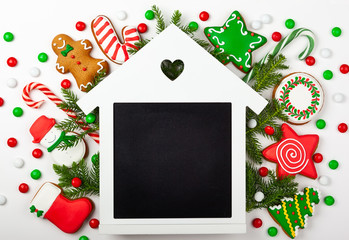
x: 272, y: 231
x: 290, y: 23
x: 193, y: 26
x: 149, y: 15
x: 328, y: 74
x: 333, y: 164
x: 336, y: 31
x: 329, y: 200
x: 17, y: 112
x: 320, y: 124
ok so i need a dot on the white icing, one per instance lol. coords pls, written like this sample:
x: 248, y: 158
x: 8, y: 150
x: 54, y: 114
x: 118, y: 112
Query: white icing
x: 216, y: 38
x: 85, y: 45
x: 253, y: 43
x: 60, y: 67
x: 62, y: 45
x: 287, y: 199
x: 244, y: 33
x: 213, y: 30
x: 247, y: 54
x: 220, y: 50
x: 300, y: 96
x: 100, y: 66
x: 55, y: 44
x: 275, y: 207
x: 45, y: 197
x: 236, y: 59
x: 60, y: 38
x: 82, y: 86
x: 68, y: 156
x: 233, y: 18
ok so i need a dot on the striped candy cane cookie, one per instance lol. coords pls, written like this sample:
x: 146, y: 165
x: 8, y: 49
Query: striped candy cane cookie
x: 36, y: 104
x: 283, y: 43
x: 108, y: 41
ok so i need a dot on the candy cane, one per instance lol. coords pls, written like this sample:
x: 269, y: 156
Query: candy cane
x: 36, y: 104
x: 283, y: 43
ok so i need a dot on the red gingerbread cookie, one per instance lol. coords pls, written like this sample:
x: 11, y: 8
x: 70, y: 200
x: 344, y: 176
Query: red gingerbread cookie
x: 293, y: 153
x: 74, y: 57
x: 67, y: 215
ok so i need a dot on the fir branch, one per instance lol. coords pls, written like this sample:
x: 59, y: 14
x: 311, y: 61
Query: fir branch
x: 99, y: 77
x: 273, y: 189
x: 176, y: 18
x: 89, y: 178
x: 267, y: 75
x: 160, y: 22
x: 139, y: 45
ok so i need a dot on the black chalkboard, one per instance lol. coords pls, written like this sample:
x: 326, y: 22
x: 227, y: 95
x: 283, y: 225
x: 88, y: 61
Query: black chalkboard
x: 172, y: 160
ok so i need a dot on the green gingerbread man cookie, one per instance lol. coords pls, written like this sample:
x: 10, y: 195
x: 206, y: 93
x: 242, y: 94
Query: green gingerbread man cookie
x: 234, y: 42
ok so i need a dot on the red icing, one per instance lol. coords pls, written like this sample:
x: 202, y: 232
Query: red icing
x: 292, y: 213
x: 69, y: 215
x: 314, y: 193
x: 78, y: 62
x: 72, y: 56
x: 305, y: 207
x: 290, y: 205
x: 84, y: 69
x: 238, y: 18
x: 249, y: 50
x: 252, y: 34
x: 208, y: 35
x: 241, y: 67
x: 224, y: 27
x: 301, y: 198
x: 278, y: 212
x: 288, y: 164
x: 295, y: 221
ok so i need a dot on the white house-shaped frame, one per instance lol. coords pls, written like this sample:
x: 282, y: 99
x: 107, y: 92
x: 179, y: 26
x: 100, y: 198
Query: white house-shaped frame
x: 141, y: 80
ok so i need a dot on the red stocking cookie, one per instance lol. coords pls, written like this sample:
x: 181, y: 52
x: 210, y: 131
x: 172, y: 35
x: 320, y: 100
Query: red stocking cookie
x: 67, y: 215
x: 293, y: 153
x: 74, y: 57
x: 108, y: 41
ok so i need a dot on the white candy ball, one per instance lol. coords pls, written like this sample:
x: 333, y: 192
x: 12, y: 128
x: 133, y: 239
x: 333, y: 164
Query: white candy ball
x: 34, y: 72
x: 2, y: 199
x: 256, y: 24
x: 259, y: 196
x: 338, y: 97
x: 121, y: 15
x: 324, y: 180
x: 325, y: 53
x: 11, y: 83
x: 18, y: 162
x: 266, y: 18
x: 252, y: 123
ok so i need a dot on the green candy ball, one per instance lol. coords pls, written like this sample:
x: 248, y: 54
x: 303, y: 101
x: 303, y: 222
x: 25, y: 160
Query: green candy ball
x: 83, y: 238
x: 42, y: 57
x: 336, y: 31
x: 193, y: 26
x: 35, y: 174
x: 328, y: 74
x: 272, y: 231
x: 149, y: 15
x: 94, y: 158
x: 8, y: 36
x: 90, y: 118
x: 329, y: 200
x: 17, y: 112
x: 290, y: 23
x: 333, y: 164
x: 320, y: 124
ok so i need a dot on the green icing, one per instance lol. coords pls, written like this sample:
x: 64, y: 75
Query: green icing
x: 234, y: 42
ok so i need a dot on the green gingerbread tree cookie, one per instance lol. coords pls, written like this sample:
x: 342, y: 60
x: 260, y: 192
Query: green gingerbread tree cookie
x: 293, y: 213
x: 234, y: 42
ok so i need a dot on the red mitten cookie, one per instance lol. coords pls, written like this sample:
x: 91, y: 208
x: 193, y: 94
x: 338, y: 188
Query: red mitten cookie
x: 67, y: 215
x: 74, y: 57
x: 108, y: 41
x: 293, y: 153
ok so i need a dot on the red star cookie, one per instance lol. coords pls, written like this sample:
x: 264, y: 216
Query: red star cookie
x: 293, y: 153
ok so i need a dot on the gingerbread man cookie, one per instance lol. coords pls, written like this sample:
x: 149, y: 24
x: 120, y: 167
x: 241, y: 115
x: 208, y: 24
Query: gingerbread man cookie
x: 74, y: 57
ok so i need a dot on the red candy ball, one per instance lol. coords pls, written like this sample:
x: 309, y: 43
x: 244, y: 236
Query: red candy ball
x: 65, y: 84
x: 76, y: 182
x: 276, y: 36
x: 12, y: 142
x: 317, y: 157
x: 80, y: 26
x: 1, y: 101
x: 142, y: 27
x: 310, y: 61
x: 11, y: 62
x: 23, y: 188
x: 269, y: 130
x: 204, y: 16
x: 37, y: 153
x: 94, y: 223
x: 344, y: 68
x: 257, y: 222
x: 342, y: 127
x: 263, y: 171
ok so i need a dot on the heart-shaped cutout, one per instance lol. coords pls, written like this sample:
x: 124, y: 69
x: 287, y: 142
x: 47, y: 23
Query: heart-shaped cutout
x: 172, y: 70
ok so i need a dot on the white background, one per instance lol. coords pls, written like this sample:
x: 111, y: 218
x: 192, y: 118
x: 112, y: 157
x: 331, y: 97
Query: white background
x: 35, y: 23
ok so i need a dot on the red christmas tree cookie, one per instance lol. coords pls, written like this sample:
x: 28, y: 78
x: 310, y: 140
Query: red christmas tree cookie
x: 67, y: 215
x: 293, y: 153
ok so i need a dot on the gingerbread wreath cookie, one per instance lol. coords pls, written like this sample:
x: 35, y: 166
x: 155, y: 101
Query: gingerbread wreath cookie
x: 293, y: 153
x: 235, y: 42
x: 293, y: 213
x: 74, y: 57
x: 108, y: 41
x: 301, y: 97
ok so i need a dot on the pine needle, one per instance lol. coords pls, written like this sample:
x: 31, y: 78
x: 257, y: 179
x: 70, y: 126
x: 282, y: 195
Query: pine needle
x: 160, y: 22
